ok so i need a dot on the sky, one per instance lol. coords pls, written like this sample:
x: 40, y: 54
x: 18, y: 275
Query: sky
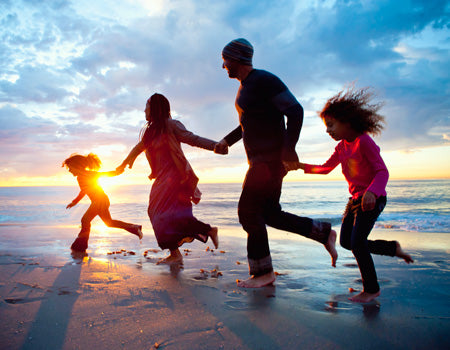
x: 75, y: 77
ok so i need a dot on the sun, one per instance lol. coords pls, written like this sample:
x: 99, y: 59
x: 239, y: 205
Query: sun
x: 107, y: 183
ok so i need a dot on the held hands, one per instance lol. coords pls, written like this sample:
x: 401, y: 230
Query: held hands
x: 221, y: 147
x: 293, y: 165
x: 368, y: 201
x: 120, y: 169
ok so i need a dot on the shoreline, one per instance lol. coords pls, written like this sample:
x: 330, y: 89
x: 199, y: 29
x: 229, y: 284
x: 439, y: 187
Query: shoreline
x: 52, y: 300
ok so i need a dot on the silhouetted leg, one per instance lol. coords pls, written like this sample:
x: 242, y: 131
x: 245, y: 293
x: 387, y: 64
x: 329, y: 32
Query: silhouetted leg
x: 281, y: 220
x: 81, y: 243
x: 363, y: 224
x: 254, y: 197
x: 348, y: 221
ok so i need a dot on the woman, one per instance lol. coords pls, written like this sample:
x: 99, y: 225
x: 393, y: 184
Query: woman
x: 175, y: 186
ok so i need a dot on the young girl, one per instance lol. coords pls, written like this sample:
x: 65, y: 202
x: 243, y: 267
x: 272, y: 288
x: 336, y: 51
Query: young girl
x: 349, y: 117
x: 85, y: 169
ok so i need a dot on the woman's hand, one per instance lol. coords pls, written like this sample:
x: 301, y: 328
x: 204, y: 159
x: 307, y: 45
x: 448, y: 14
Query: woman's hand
x: 368, y: 201
x: 221, y: 147
x: 121, y: 168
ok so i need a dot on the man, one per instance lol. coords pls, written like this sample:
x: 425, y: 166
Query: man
x: 262, y: 102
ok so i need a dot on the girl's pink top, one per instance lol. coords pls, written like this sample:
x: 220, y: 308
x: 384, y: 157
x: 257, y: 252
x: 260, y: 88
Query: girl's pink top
x: 362, y: 166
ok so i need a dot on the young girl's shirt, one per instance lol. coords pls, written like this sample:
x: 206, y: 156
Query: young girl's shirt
x: 88, y: 182
x: 362, y: 166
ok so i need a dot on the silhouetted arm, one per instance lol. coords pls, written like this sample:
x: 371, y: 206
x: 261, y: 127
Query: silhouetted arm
x: 76, y: 200
x: 111, y: 173
x: 234, y: 136
x: 186, y: 136
x: 325, y: 168
x: 129, y: 160
x: 287, y: 104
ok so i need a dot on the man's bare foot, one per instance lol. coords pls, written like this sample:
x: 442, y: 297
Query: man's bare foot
x: 257, y: 282
x: 330, y: 246
x: 401, y: 254
x: 364, y: 297
x: 214, y: 236
x: 175, y: 257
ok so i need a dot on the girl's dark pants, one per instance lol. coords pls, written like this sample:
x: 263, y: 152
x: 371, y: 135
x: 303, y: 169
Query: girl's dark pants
x: 356, y: 226
x: 259, y: 205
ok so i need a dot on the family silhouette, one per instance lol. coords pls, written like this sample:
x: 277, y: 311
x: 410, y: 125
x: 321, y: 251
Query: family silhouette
x: 270, y: 119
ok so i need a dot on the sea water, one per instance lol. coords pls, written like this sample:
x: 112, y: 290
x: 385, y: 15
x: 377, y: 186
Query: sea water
x: 413, y: 205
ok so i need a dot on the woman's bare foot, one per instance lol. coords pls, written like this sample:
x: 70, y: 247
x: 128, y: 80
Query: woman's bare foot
x: 139, y: 231
x: 364, y: 297
x: 401, y: 254
x: 257, y: 282
x: 214, y: 236
x: 330, y: 246
x: 175, y: 257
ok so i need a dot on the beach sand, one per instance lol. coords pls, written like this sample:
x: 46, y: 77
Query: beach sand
x: 116, y: 297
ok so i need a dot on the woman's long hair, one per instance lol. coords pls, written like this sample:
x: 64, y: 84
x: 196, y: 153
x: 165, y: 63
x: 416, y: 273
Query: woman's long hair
x: 159, y: 113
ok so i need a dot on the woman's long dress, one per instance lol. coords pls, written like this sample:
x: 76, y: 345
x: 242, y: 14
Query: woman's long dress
x: 170, y: 206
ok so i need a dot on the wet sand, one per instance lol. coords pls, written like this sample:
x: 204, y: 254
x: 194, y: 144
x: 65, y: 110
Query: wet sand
x: 116, y: 297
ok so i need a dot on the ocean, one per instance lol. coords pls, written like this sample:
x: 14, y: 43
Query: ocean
x: 413, y: 205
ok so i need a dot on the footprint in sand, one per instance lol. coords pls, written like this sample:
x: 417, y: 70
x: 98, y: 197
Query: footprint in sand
x: 350, y: 265
x: 22, y: 300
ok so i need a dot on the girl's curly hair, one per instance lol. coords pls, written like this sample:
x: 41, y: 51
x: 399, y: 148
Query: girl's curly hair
x: 90, y: 162
x: 354, y: 106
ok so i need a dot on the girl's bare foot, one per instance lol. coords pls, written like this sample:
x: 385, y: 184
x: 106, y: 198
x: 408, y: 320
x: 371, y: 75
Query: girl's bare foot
x: 330, y: 246
x: 257, y: 282
x: 364, y: 297
x: 401, y: 254
x: 214, y: 236
x: 175, y: 257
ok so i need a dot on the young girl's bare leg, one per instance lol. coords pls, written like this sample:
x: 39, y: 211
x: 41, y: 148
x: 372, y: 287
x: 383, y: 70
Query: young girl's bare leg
x: 258, y: 281
x: 81, y: 243
x: 175, y: 257
x: 401, y: 254
x: 110, y: 222
x: 364, y: 297
x: 330, y: 246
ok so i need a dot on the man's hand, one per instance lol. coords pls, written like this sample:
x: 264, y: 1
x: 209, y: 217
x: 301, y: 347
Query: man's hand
x: 221, y: 147
x: 70, y: 205
x: 292, y: 165
x: 368, y: 201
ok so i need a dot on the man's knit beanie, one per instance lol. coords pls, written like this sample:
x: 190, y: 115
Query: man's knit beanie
x: 239, y: 50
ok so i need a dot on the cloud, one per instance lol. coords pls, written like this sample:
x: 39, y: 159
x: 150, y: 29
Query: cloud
x: 77, y: 74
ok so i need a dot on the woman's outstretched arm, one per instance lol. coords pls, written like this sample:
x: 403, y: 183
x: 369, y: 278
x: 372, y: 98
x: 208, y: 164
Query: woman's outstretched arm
x: 129, y: 160
x: 186, y: 136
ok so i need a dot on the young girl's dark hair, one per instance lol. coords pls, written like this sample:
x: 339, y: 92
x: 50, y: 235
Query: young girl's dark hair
x: 159, y: 112
x: 355, y: 107
x: 91, y: 161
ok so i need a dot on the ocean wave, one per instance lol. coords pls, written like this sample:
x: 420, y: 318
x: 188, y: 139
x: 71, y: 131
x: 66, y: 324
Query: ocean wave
x: 412, y: 205
x: 417, y: 226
